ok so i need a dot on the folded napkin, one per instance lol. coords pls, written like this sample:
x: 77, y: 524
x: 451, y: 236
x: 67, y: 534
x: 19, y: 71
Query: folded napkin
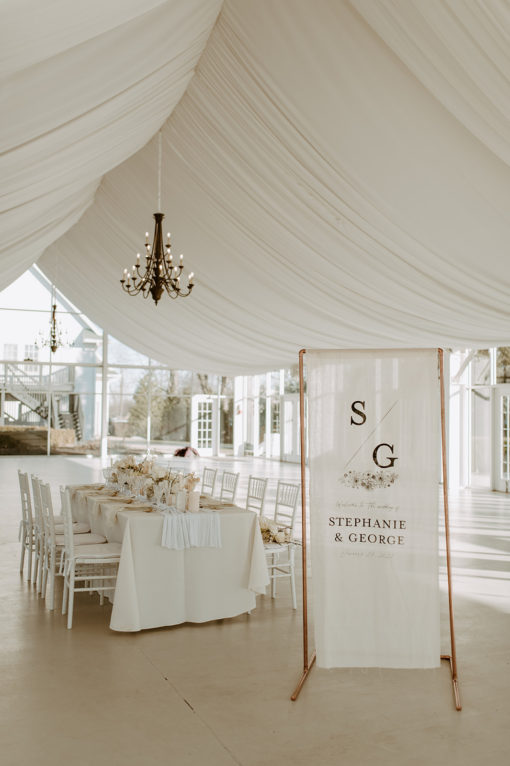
x: 190, y: 530
x: 216, y: 506
x: 94, y: 487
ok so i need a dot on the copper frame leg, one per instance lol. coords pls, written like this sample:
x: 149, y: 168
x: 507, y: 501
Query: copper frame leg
x: 308, y: 662
x: 452, y: 658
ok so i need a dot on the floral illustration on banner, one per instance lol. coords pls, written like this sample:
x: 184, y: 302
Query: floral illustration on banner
x: 369, y: 479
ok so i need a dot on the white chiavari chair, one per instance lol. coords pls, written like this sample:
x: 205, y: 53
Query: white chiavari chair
x: 26, y: 527
x: 87, y: 564
x: 37, y: 572
x: 256, y: 494
x: 229, y: 482
x: 53, y: 547
x: 281, y: 561
x: 208, y: 481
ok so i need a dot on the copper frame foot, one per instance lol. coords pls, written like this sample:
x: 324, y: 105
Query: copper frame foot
x: 304, y: 676
x: 455, y: 682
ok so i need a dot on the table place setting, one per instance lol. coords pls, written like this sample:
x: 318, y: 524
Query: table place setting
x: 189, y: 521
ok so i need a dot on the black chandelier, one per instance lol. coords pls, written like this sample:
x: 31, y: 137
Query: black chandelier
x: 159, y: 273
x: 57, y: 338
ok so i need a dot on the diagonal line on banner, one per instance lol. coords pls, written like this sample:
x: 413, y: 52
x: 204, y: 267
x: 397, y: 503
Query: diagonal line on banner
x: 371, y: 433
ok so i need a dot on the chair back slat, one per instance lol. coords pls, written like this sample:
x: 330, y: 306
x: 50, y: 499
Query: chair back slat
x: 26, y: 504
x: 256, y: 494
x: 36, y: 494
x: 65, y: 497
x: 286, y: 504
x: 229, y: 486
x: 47, y: 513
x: 208, y: 481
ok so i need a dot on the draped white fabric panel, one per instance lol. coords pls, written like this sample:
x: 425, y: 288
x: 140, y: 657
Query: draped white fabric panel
x: 459, y: 50
x: 335, y: 175
x: 84, y: 86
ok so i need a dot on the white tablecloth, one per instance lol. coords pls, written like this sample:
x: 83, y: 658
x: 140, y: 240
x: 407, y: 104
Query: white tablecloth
x: 157, y: 586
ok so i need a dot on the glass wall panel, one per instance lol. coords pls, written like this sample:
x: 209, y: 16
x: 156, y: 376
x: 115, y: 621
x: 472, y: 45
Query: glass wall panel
x: 227, y: 386
x: 275, y: 383
x: 503, y: 365
x: 170, y: 409
x: 128, y: 408
x: 481, y: 368
x: 80, y: 424
x: 480, y: 436
x: 205, y: 384
x: 262, y: 419
x: 119, y: 353
x: 226, y: 423
x: 292, y: 380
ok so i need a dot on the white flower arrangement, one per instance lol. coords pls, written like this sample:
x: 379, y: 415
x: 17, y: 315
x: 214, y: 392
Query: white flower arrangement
x: 143, y: 477
x: 272, y: 533
x: 159, y: 473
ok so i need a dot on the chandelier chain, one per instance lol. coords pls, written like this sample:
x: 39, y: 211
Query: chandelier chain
x: 160, y: 159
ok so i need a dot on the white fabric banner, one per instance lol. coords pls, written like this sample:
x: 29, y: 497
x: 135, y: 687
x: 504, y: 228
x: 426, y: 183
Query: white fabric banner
x: 374, y: 443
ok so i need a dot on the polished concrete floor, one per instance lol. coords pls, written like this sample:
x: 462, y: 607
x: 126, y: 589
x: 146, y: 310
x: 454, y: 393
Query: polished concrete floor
x: 218, y: 694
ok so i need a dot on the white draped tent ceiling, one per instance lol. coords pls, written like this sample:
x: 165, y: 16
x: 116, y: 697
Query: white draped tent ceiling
x: 336, y: 173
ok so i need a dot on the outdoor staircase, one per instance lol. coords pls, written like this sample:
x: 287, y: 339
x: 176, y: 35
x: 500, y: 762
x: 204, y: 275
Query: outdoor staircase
x: 17, y: 389
x: 31, y: 392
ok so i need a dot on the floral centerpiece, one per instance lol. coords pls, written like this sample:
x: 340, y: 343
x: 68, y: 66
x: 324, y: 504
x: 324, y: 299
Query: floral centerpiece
x: 159, y: 473
x: 150, y: 480
x: 127, y: 463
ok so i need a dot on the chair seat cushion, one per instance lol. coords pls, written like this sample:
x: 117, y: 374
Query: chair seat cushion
x: 85, y: 539
x: 79, y: 528
x: 108, y: 550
